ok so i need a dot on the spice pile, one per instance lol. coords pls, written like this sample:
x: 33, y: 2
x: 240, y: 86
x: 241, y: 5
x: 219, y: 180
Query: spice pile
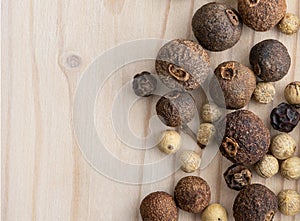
x: 183, y: 66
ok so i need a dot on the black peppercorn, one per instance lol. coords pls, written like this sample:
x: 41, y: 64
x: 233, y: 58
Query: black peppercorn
x: 270, y: 60
x: 182, y: 64
x: 144, y: 84
x: 216, y: 26
x: 284, y: 117
x: 237, y: 177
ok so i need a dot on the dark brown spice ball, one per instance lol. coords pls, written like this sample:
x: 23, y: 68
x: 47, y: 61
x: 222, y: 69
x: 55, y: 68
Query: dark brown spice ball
x: 246, y: 139
x: 255, y: 203
x: 237, y: 177
x: 261, y: 15
x: 270, y: 60
x: 192, y: 194
x: 144, y: 84
x: 182, y: 64
x: 217, y: 26
x: 284, y: 117
x: 158, y: 206
x: 176, y: 108
x: 237, y: 83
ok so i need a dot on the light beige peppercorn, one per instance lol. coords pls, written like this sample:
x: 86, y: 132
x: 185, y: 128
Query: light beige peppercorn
x: 290, y: 168
x: 190, y: 161
x: 170, y: 142
x: 290, y: 24
x: 289, y: 202
x: 205, y: 133
x: 210, y: 113
x: 267, y: 167
x: 292, y: 93
x: 264, y: 92
x: 214, y: 212
x: 283, y: 146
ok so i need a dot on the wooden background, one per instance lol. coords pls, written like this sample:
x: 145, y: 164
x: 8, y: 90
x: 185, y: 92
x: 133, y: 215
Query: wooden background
x: 46, y: 46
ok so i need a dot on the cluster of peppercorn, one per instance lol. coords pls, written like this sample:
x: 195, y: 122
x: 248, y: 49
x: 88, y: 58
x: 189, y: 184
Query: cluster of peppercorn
x: 184, y: 65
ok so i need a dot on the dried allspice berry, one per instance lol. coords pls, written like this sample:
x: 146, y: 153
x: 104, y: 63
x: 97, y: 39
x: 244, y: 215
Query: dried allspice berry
x: 237, y: 83
x: 182, y: 64
x: 217, y: 26
x: 144, y: 84
x: 176, y: 108
x: 246, y: 139
x: 159, y: 206
x: 284, y: 117
x: 255, y: 203
x: 270, y: 60
x: 237, y: 177
x: 261, y: 15
x: 192, y: 194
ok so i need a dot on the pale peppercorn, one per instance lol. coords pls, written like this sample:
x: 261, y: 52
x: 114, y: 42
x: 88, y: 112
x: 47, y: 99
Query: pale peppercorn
x: 290, y: 168
x: 264, y: 92
x: 205, y: 133
x: 170, y: 142
x: 267, y: 167
x: 214, y: 212
x: 292, y: 93
x: 190, y: 161
x: 289, y: 202
x: 290, y: 24
x: 210, y: 113
x: 283, y: 146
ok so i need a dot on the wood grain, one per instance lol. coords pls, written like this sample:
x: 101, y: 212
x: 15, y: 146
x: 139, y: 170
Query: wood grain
x: 46, y: 47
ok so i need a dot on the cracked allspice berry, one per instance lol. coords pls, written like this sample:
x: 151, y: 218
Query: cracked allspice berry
x: 261, y: 15
x: 237, y: 177
x: 255, y: 203
x: 246, y: 139
x: 182, y: 64
x: 237, y: 83
x: 217, y: 26
x: 159, y: 206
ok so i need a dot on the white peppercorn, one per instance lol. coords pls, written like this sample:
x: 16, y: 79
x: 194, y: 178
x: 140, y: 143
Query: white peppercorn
x: 264, y: 92
x: 214, y: 212
x: 205, y: 133
x: 290, y: 168
x: 210, y: 113
x: 267, y: 167
x: 190, y: 161
x: 289, y: 202
x: 170, y: 142
x: 290, y: 24
x: 283, y: 146
x: 292, y: 93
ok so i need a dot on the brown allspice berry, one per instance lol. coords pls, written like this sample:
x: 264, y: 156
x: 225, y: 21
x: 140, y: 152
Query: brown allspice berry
x: 261, y: 15
x: 217, y: 26
x: 289, y: 202
x: 270, y: 60
x: 237, y: 83
x: 192, y: 194
x: 292, y: 93
x: 183, y: 64
x: 158, y: 206
x: 237, y: 177
x: 290, y: 24
x: 246, y: 139
x: 255, y: 202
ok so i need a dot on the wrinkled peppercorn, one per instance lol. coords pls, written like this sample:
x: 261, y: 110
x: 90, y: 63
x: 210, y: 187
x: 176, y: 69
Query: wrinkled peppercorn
x: 182, y: 64
x: 246, y: 139
x: 284, y: 117
x: 237, y: 83
x: 176, y: 108
x: 217, y: 26
x: 255, y: 203
x: 270, y: 60
x: 144, y: 84
x: 237, y: 177
x: 261, y: 15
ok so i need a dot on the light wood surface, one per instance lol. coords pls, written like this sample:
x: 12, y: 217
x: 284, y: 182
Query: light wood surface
x: 47, y: 45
